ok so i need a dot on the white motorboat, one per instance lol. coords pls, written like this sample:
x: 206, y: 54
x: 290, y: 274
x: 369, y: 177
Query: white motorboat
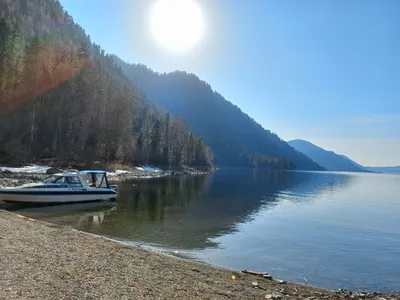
x: 73, y: 187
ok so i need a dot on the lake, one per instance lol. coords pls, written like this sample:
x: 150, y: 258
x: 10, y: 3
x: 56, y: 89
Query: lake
x: 335, y: 230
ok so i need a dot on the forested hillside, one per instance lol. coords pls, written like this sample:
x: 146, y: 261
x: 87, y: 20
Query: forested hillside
x: 235, y: 138
x: 63, y: 98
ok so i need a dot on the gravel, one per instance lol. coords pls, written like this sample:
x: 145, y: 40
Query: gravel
x: 45, y: 261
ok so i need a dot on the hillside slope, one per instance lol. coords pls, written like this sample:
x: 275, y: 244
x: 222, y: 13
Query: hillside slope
x: 235, y: 138
x: 328, y: 159
x: 63, y: 98
x: 353, y: 162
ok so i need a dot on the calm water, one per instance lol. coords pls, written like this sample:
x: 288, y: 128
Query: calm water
x: 337, y: 230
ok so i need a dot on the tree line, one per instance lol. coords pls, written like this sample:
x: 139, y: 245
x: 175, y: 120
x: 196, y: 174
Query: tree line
x: 258, y: 160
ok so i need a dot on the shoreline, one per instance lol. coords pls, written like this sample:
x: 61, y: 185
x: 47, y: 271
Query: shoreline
x: 42, y: 260
x: 14, y: 179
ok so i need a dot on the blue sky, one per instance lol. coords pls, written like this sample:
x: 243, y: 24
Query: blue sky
x: 325, y: 71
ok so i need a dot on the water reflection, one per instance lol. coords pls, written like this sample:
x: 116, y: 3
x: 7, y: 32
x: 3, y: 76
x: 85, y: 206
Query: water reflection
x: 189, y: 212
x: 309, y: 186
x: 76, y: 215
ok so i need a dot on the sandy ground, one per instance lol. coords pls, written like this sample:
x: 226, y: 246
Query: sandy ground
x: 45, y: 261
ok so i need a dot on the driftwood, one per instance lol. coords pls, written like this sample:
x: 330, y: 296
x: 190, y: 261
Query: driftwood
x: 264, y: 275
x: 255, y: 273
x: 280, y: 281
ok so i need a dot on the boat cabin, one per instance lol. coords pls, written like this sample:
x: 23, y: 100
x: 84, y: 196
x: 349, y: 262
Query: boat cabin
x: 81, y: 179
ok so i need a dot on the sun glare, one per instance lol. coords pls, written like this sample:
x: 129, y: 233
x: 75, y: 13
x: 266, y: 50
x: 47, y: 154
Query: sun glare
x: 177, y: 24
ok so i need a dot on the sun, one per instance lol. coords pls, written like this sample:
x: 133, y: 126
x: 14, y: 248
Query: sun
x: 176, y: 24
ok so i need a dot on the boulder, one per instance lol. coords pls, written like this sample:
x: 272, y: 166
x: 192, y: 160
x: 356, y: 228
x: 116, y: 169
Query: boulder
x: 52, y: 171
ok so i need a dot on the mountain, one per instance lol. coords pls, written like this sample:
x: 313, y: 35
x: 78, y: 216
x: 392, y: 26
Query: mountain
x: 63, y: 98
x: 391, y: 170
x: 235, y: 138
x: 328, y: 159
x: 353, y: 162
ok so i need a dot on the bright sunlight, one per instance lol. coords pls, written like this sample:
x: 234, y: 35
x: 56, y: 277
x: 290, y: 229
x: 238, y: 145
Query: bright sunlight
x: 177, y: 24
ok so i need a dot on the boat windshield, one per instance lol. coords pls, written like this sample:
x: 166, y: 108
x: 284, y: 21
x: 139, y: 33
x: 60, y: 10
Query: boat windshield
x: 70, y: 180
x: 54, y: 179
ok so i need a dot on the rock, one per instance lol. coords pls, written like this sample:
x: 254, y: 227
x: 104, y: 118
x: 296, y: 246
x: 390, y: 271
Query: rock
x: 267, y: 277
x: 361, y: 295
x: 254, y: 284
x: 52, y: 171
x: 344, y: 291
x: 282, y: 291
x: 195, y: 270
x: 280, y: 281
x: 273, y: 296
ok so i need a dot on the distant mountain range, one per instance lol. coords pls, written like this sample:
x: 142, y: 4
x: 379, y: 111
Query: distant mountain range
x: 336, y: 162
x: 391, y: 170
x: 327, y: 159
x: 234, y: 137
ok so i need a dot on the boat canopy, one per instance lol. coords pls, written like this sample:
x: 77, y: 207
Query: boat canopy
x: 92, y: 172
x: 97, y: 178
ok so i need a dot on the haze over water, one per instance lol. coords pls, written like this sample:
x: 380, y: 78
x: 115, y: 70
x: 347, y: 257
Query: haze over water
x: 337, y: 230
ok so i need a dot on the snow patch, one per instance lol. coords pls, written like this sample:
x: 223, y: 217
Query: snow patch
x: 27, y: 169
x: 121, y: 172
x: 117, y: 172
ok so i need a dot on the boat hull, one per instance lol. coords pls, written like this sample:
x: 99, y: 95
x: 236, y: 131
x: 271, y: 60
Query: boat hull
x: 43, y: 197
